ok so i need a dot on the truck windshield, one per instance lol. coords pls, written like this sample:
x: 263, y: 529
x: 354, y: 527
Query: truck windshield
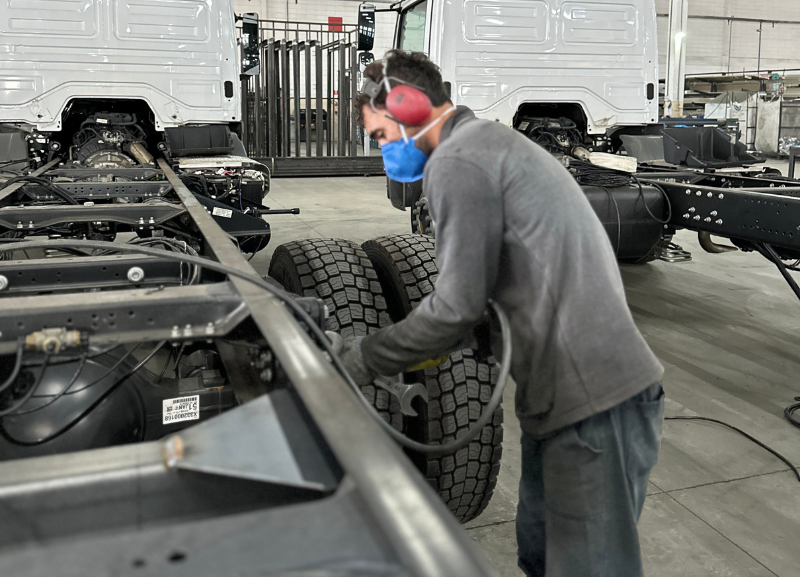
x: 412, y: 28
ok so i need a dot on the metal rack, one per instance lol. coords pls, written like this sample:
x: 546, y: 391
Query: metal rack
x: 300, y: 106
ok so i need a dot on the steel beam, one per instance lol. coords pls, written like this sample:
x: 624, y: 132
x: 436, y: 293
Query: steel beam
x: 273, y: 83
x: 126, y: 316
x: 319, y: 125
x: 11, y: 189
x: 421, y: 531
x: 351, y: 96
x: 341, y: 114
x: 138, y: 215
x: 309, y: 46
x: 296, y: 95
x: 85, y: 273
x: 772, y: 218
x: 103, y: 190
x: 676, y: 58
x: 283, y: 95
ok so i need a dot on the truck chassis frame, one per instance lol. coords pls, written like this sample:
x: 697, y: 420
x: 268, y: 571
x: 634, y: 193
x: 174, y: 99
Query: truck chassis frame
x: 299, y: 478
x: 757, y: 213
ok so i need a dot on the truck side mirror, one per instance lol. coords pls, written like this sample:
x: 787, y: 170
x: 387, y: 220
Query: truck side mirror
x: 365, y: 59
x: 251, y: 63
x: 366, y: 27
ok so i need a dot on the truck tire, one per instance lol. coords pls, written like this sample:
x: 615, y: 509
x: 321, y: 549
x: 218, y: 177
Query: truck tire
x: 458, y: 390
x: 421, y: 221
x: 339, y: 273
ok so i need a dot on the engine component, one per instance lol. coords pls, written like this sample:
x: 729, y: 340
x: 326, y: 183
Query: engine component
x: 560, y: 135
x: 203, y: 140
x: 110, y: 140
x: 101, y: 400
x: 52, y: 341
x: 105, y: 158
x: 140, y: 153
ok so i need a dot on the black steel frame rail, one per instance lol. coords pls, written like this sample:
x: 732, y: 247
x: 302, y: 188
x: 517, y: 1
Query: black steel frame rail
x: 388, y: 493
x: 126, y: 316
x: 758, y: 216
x: 104, y: 190
x: 90, y: 272
x: 137, y: 215
x: 12, y: 188
x: 424, y: 535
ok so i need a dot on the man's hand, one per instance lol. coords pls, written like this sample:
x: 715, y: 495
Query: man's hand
x: 430, y: 363
x: 354, y: 361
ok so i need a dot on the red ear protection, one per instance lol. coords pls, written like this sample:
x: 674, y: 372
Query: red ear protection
x: 409, y: 105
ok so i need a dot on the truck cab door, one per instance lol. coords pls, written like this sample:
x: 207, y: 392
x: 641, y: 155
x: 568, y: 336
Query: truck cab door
x: 412, y: 33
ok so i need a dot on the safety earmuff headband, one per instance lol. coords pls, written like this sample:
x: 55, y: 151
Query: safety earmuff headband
x: 373, y: 88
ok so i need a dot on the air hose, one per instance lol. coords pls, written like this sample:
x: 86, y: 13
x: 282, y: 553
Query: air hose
x: 322, y: 339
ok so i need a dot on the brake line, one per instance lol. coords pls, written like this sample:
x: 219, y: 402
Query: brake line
x: 322, y: 339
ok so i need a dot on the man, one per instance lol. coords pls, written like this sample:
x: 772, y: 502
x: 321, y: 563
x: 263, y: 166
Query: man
x: 512, y: 225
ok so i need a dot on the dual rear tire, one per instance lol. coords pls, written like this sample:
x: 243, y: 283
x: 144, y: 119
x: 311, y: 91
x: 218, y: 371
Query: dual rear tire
x: 368, y: 287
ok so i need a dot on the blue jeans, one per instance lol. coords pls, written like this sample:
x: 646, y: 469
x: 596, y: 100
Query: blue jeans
x: 582, y: 491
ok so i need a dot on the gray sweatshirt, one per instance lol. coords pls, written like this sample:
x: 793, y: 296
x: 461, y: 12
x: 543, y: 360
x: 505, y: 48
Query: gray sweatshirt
x: 512, y: 225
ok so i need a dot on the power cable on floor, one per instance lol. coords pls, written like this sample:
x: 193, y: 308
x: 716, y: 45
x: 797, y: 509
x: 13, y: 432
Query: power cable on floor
x: 789, y: 412
x: 741, y: 432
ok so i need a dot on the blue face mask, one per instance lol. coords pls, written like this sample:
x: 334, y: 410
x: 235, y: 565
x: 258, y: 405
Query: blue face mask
x: 403, y: 161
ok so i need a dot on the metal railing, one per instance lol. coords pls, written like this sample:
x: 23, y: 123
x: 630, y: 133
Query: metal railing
x: 301, y: 103
x: 324, y: 33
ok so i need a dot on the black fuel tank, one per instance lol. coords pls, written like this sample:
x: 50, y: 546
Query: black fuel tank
x: 633, y: 231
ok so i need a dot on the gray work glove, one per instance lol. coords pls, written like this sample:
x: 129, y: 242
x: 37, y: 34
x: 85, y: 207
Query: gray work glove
x: 354, y: 363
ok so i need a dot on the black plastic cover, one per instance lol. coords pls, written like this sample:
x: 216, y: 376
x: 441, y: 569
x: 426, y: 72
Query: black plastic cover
x: 704, y: 147
x: 13, y: 147
x: 252, y: 192
x: 403, y: 195
x: 202, y: 140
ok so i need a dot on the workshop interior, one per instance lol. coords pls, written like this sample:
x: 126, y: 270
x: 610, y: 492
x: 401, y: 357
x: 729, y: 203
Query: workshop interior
x: 195, y: 225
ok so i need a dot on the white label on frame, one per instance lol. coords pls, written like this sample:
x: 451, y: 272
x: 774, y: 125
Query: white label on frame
x: 181, y: 409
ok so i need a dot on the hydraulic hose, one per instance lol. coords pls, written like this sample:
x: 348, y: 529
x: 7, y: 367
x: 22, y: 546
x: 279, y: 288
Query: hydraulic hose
x: 322, y: 339
x: 486, y: 415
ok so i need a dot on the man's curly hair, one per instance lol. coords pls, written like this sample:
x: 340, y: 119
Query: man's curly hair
x: 412, y: 67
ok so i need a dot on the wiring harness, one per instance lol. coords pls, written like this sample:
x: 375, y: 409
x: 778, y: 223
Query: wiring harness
x: 303, y: 316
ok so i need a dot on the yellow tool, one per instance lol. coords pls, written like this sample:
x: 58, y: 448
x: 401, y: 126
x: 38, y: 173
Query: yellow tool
x: 429, y: 364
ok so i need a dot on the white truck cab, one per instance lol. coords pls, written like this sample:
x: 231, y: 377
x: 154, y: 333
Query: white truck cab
x: 593, y: 62
x: 179, y: 56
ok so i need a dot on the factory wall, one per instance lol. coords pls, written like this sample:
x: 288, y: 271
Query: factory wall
x: 708, y: 40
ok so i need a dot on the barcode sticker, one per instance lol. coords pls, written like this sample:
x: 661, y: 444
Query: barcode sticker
x: 223, y: 212
x: 181, y: 409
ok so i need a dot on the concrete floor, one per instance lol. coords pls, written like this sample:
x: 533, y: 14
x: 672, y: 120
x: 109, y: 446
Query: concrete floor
x: 724, y: 326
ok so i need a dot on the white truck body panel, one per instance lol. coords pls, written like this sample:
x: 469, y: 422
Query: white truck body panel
x: 499, y: 54
x: 176, y: 55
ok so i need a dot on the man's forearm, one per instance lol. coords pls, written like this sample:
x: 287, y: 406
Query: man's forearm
x: 425, y: 334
